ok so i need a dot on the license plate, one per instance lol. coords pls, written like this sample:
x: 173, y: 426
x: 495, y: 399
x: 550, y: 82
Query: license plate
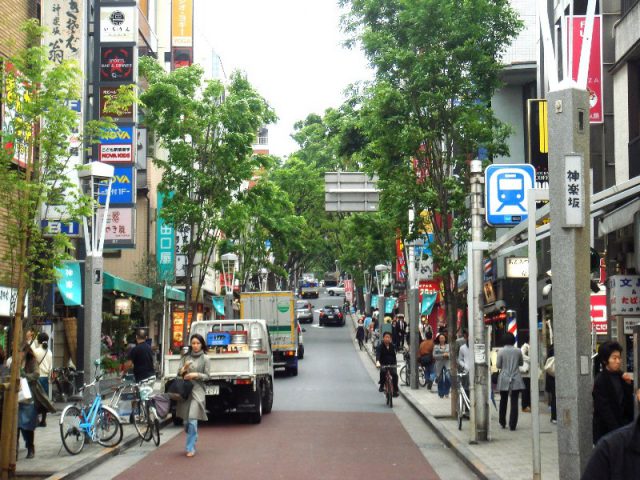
x: 212, y: 389
x: 330, y: 317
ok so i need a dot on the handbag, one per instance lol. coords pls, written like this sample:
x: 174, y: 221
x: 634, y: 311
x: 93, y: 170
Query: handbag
x: 550, y: 366
x: 24, y: 395
x: 181, y: 387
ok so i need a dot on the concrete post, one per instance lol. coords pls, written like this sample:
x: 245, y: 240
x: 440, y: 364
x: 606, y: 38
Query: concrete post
x: 93, y: 273
x: 569, y: 145
x: 480, y: 429
x: 414, y: 320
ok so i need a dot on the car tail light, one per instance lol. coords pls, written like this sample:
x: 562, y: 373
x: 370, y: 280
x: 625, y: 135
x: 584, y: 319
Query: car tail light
x: 243, y: 381
x: 340, y: 316
x: 289, y: 353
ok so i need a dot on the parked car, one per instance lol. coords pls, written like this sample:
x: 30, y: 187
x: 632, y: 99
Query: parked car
x: 339, y: 290
x: 304, y: 311
x: 300, y: 341
x: 331, y: 314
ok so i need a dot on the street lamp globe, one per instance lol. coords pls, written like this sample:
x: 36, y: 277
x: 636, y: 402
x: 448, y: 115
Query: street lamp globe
x: 228, y: 261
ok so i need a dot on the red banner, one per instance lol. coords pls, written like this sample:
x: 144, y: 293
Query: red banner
x: 401, y: 264
x: 594, y: 75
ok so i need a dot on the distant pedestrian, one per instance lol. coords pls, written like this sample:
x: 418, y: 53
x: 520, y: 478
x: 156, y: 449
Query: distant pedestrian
x: 402, y: 331
x: 367, y: 328
x: 612, y: 393
x: 360, y: 334
x: 426, y: 359
x: 441, y: 357
x: 194, y: 366
x: 44, y: 357
x: 550, y: 387
x: 395, y: 334
x: 509, y: 380
x: 526, y: 376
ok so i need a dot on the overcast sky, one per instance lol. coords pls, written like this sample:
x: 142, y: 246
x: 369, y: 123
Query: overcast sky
x: 291, y: 51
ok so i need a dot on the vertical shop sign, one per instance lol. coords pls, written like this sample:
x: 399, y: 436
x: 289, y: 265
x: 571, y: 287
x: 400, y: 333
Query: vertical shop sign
x: 594, y: 75
x: 165, y: 245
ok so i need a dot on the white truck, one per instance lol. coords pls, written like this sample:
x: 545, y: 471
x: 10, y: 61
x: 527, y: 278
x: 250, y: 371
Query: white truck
x: 241, y: 366
x: 309, y: 286
x: 277, y: 309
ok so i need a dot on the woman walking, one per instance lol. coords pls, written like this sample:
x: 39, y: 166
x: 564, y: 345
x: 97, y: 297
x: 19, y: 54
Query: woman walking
x: 509, y: 380
x: 194, y: 367
x: 44, y: 357
x: 360, y: 334
x: 441, y: 357
x: 28, y: 410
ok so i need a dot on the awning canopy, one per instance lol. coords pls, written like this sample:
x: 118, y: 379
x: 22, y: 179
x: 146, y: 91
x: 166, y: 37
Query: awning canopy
x: 618, y: 218
x: 112, y: 282
x: 174, y: 294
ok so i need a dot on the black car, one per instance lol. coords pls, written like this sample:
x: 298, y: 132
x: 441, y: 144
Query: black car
x: 331, y: 315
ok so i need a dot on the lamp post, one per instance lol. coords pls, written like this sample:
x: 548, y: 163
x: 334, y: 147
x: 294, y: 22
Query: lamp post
x: 228, y: 261
x: 96, y: 179
x: 264, y: 274
x: 381, y: 269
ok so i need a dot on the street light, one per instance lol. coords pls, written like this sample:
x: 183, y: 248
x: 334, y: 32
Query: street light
x: 228, y: 261
x: 264, y: 273
x: 96, y: 179
x: 381, y: 269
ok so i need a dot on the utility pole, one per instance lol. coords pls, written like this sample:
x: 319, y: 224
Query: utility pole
x: 479, y: 380
x: 569, y: 192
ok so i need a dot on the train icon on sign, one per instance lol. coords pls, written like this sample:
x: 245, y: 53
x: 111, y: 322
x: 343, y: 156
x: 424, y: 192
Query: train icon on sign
x: 506, y: 193
x: 510, y: 190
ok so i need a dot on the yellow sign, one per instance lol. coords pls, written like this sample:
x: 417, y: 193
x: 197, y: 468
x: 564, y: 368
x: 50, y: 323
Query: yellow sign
x: 182, y: 23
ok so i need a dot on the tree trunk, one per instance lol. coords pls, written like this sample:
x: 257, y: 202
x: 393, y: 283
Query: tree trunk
x: 451, y: 306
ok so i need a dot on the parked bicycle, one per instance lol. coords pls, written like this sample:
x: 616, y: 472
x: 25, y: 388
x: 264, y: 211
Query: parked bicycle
x: 91, y: 421
x: 405, y: 372
x: 375, y: 341
x: 64, y: 381
x: 144, y: 413
x: 464, y: 404
x: 388, y: 383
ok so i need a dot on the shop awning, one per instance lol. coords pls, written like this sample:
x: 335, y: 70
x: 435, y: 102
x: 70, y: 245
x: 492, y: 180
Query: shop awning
x: 174, y: 294
x: 112, y: 282
x: 618, y: 218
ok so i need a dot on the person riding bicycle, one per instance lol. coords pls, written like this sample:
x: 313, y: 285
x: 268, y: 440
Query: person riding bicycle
x: 141, y: 358
x: 386, y: 355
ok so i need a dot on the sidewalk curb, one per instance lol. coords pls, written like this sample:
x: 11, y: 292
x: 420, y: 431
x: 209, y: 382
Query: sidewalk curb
x: 470, y: 459
x: 86, y: 465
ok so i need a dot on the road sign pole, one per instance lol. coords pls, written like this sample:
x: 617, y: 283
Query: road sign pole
x: 570, y: 199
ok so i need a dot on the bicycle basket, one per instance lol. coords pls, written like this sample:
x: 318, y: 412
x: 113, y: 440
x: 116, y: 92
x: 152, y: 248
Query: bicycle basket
x: 162, y: 403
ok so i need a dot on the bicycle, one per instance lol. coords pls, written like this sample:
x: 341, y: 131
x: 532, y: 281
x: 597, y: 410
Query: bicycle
x: 97, y: 423
x: 388, y: 383
x: 464, y: 404
x: 145, y: 417
x: 405, y: 372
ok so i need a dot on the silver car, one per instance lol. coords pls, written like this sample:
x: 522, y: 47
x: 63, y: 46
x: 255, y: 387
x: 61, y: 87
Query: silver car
x: 304, y: 311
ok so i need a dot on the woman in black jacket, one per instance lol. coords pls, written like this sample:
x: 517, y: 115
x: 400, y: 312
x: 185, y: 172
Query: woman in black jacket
x: 612, y: 393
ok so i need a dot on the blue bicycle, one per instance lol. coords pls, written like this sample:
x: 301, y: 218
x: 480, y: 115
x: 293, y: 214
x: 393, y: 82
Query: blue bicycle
x: 95, y: 422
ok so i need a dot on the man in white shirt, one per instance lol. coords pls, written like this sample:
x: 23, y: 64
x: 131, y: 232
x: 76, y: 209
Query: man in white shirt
x: 464, y: 359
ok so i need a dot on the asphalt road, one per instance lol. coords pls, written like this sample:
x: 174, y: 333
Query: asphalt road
x: 329, y: 422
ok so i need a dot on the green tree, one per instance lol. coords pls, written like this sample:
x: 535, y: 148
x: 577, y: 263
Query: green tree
x: 208, y: 131
x: 428, y: 111
x: 34, y: 163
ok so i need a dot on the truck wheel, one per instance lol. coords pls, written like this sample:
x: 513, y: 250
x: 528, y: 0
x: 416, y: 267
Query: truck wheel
x: 300, y: 352
x: 267, y: 399
x: 256, y: 417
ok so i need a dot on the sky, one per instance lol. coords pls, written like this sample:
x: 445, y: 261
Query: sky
x: 291, y: 51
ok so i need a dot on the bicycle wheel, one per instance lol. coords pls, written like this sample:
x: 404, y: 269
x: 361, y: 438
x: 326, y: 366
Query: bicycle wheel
x: 140, y: 420
x: 108, y: 428
x: 404, y: 376
x: 72, y: 435
x: 422, y: 379
x: 155, y: 425
x: 389, y: 391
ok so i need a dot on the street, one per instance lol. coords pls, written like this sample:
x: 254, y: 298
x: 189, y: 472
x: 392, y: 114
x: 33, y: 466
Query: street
x: 328, y: 422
